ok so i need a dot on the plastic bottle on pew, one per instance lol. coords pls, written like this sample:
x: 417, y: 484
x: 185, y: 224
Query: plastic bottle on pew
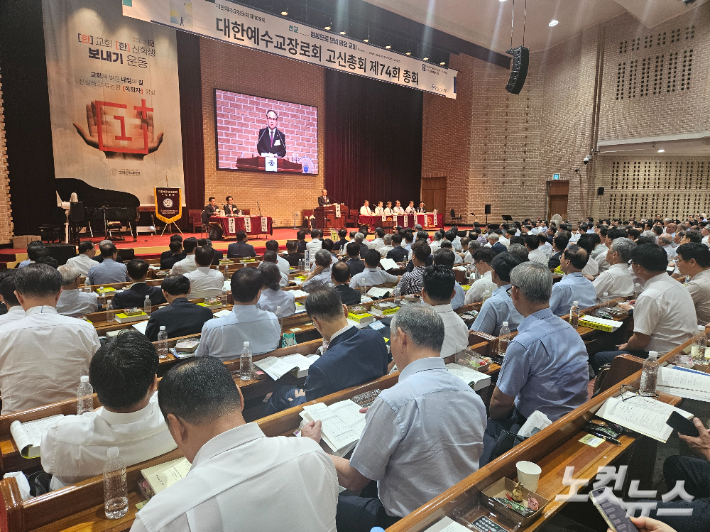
x: 147, y: 305
x: 110, y: 313
x: 245, y: 370
x: 87, y: 285
x: 84, y: 396
x: 503, y: 339
x: 574, y: 314
x: 697, y: 350
x: 162, y: 343
x: 115, y: 489
x: 649, y: 375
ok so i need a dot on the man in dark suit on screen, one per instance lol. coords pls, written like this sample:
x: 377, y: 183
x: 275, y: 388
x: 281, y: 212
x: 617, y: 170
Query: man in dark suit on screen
x: 271, y: 139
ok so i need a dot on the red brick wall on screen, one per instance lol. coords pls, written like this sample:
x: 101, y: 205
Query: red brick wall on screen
x: 241, y: 116
x: 240, y: 70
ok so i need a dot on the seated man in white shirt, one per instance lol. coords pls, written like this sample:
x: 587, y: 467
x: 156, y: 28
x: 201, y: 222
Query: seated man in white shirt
x: 379, y: 239
x: 398, y: 209
x: 271, y: 258
x: 204, y: 281
x: 60, y: 347
x: 428, y: 404
x: 372, y: 275
x: 586, y: 242
x: 124, y: 376
x: 447, y: 244
x: 316, y: 244
x: 236, y: 469
x: 273, y: 299
x: 365, y: 209
x: 187, y: 264
x: 284, y: 266
x: 666, y: 242
x: 320, y: 275
x: 388, y: 209
x: 694, y: 261
x: 224, y: 337
x: 84, y: 260
x: 616, y: 281
x: 386, y: 246
x: 482, y: 259
x: 438, y: 291
x: 438, y: 235
x: 72, y: 301
x: 8, y: 297
x: 446, y: 257
x: 411, y: 209
x: 532, y: 243
x: 379, y: 210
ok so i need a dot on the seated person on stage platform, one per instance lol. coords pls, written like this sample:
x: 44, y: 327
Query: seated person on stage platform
x: 180, y: 317
x: 365, y: 209
x: 342, y: 240
x: 323, y: 199
x: 223, y: 338
x: 372, y: 275
x: 412, y: 282
x: 499, y: 307
x: 664, y: 314
x: 240, y: 248
x: 73, y: 301
x: 319, y: 277
x: 84, y: 260
x: 272, y: 258
x: 354, y: 263
x: 271, y: 141
x: 340, y: 275
x: 134, y: 296
x: 388, y: 209
x: 422, y: 208
x: 535, y: 254
x: 187, y: 264
x: 617, y: 280
x: 35, y: 250
x: 205, y: 282
x: 239, y: 479
x: 8, y: 297
x: 428, y: 404
x: 209, y: 210
x: 292, y: 256
x: 60, y: 347
x: 559, y: 244
x: 573, y: 286
x: 386, y: 246
x: 437, y: 292
x: 177, y: 255
x: 411, y: 209
x: 315, y: 244
x: 397, y: 209
x: 230, y: 209
x: 123, y: 372
x: 283, y: 264
x: 546, y: 364
x: 108, y: 271
x: 301, y: 240
x: 694, y: 261
x: 397, y: 253
x: 482, y: 259
x: 353, y: 356
x: 445, y: 257
x: 273, y: 299
x: 379, y: 210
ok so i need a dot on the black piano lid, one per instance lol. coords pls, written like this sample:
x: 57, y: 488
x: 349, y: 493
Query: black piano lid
x: 94, y: 197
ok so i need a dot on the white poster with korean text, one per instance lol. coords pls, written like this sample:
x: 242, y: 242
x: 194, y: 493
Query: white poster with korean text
x: 245, y: 26
x: 114, y: 98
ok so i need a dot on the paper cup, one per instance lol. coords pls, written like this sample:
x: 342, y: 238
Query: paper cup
x: 528, y: 475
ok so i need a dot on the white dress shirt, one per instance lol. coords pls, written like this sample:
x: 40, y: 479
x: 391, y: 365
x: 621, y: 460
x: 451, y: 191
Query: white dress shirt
x: 372, y: 277
x: 699, y: 289
x: 379, y: 211
x: 74, y: 447
x: 377, y: 243
x: 410, y: 210
x: 82, y: 262
x: 313, y: 247
x: 77, y: 303
x: 224, y: 337
x: 479, y: 288
x: 12, y: 314
x: 205, y: 282
x: 591, y: 268
x: 504, y: 241
x: 384, y: 250
x: 283, y: 264
x: 434, y: 246
x: 617, y: 281
x: 184, y: 266
x: 537, y: 255
x: 365, y: 211
x: 271, y: 299
x: 241, y: 480
x: 397, y: 210
x: 455, y: 331
x: 388, y: 211
x: 42, y: 357
x: 546, y: 248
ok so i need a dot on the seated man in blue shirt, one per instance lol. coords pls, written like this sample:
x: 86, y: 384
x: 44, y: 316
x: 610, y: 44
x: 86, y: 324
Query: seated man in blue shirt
x: 354, y: 356
x: 372, y: 275
x: 320, y: 276
x: 421, y: 436
x: 574, y: 286
x: 224, y: 337
x: 108, y: 271
x: 499, y: 307
x: 546, y: 365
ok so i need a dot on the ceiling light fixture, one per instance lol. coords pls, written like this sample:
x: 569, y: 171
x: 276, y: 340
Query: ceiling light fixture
x: 442, y: 63
x: 661, y: 151
x: 342, y: 33
x: 553, y: 23
x: 327, y: 28
x: 388, y: 47
x: 408, y: 53
x: 426, y: 59
x: 284, y: 13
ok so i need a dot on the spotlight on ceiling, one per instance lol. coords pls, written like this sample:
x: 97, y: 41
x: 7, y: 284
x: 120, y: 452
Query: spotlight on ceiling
x: 328, y: 28
x: 388, y: 47
x: 408, y: 53
x: 553, y: 23
x: 426, y: 59
x: 661, y: 151
x: 284, y: 13
x: 366, y: 40
x: 342, y: 33
x: 442, y: 63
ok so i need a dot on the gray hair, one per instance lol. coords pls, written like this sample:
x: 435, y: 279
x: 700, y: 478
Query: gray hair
x: 649, y: 234
x: 359, y: 237
x: 422, y: 325
x: 387, y: 239
x: 323, y: 258
x: 624, y: 247
x: 473, y: 245
x: 534, y: 280
x: 664, y: 240
x: 492, y: 236
x: 69, y: 274
x: 518, y: 251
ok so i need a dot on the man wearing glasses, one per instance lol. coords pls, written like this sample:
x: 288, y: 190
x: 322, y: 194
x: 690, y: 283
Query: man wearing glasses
x: 271, y: 139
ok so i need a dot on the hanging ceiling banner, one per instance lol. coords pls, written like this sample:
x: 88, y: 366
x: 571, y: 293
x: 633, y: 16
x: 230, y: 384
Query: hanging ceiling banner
x: 251, y: 28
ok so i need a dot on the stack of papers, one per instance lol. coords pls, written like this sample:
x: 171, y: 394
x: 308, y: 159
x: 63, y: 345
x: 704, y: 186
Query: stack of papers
x: 379, y: 292
x: 299, y: 293
x: 684, y: 382
x: 277, y: 367
x: 388, y: 264
x: 475, y: 379
x: 342, y: 424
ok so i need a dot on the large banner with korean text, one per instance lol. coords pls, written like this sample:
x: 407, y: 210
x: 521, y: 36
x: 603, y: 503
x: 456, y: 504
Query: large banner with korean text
x: 114, y: 98
x: 230, y: 22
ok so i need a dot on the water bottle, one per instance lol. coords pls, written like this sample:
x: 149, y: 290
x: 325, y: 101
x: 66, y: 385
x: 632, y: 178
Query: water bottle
x: 225, y: 296
x: 574, y: 314
x: 110, y: 314
x: 115, y: 489
x: 226, y: 272
x: 147, y: 305
x: 87, y: 286
x: 605, y: 299
x: 162, y: 342
x: 307, y: 259
x: 697, y: 351
x: 397, y: 296
x: 279, y: 317
x: 649, y: 375
x: 503, y: 339
x: 245, y: 363
x: 84, y: 396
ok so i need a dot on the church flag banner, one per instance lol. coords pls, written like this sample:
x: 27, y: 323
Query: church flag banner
x: 230, y: 22
x: 168, y: 204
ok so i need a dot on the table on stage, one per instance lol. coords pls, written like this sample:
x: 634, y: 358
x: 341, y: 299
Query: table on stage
x: 253, y: 225
x: 405, y: 220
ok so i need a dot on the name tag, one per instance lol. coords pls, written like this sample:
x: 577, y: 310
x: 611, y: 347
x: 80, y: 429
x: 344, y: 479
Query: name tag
x: 277, y: 143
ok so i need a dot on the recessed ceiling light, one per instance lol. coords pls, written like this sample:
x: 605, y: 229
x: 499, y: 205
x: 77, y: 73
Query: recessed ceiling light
x: 502, y: 0
x: 366, y: 40
x: 327, y: 28
x: 442, y: 63
x: 284, y: 13
x: 342, y: 33
x: 408, y: 53
x: 661, y: 151
x: 553, y: 23
x: 388, y: 47
x: 426, y: 59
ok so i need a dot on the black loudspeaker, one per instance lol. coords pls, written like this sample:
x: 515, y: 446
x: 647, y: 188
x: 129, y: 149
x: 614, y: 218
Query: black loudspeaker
x: 61, y: 252
x: 76, y: 211
x: 519, y: 69
x: 600, y: 191
x: 488, y: 208
x: 127, y: 254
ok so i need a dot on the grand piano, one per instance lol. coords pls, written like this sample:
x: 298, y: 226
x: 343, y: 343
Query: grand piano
x: 99, y: 205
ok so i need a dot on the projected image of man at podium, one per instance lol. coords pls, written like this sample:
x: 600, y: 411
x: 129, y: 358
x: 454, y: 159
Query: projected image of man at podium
x: 271, y: 140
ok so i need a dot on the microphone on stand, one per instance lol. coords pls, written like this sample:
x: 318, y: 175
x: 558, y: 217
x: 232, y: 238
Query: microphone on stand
x: 257, y: 204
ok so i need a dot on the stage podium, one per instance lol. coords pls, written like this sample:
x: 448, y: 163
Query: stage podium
x: 259, y: 163
x: 327, y: 216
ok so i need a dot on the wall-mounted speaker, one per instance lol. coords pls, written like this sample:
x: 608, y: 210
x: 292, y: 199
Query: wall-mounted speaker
x: 600, y: 191
x: 488, y: 208
x: 518, y: 69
